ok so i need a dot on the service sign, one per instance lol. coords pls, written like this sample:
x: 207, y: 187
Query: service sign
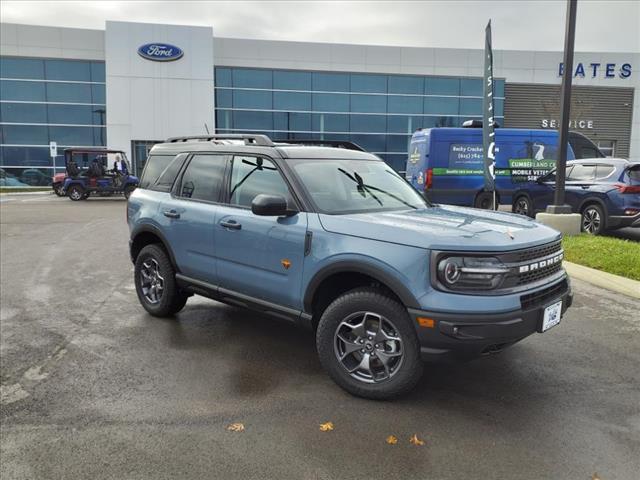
x: 160, y: 52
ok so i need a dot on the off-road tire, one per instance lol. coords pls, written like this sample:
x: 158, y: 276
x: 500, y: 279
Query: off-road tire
x: 172, y: 299
x: 377, y: 301
x: 76, y: 193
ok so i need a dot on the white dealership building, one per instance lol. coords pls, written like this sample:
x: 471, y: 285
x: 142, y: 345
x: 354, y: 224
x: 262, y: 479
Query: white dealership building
x: 134, y: 84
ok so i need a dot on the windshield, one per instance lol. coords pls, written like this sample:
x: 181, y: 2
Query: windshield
x: 355, y: 186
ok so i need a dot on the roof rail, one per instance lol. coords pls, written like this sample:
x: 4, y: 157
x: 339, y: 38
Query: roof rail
x: 324, y: 143
x: 249, y: 139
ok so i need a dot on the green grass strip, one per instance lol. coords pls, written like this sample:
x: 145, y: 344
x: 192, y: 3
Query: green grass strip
x: 612, y: 255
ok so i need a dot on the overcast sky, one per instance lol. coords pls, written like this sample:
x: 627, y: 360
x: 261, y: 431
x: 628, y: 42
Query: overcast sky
x: 602, y: 25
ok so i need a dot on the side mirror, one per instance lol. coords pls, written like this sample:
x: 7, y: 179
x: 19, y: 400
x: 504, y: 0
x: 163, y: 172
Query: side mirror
x: 270, y: 206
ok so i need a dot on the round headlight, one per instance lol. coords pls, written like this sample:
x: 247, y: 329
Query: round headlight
x: 451, y: 272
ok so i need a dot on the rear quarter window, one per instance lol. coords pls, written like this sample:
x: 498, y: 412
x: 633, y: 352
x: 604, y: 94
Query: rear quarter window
x: 634, y: 174
x: 153, y: 168
x: 168, y: 177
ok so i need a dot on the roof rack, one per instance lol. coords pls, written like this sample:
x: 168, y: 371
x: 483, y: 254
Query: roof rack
x: 324, y: 143
x: 249, y: 139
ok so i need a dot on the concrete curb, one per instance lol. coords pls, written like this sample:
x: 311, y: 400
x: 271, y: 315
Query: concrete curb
x: 618, y: 284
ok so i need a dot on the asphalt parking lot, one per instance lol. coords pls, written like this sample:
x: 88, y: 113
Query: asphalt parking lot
x: 93, y: 387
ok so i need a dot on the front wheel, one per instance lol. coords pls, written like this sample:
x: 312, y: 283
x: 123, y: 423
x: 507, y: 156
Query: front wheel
x: 593, y: 221
x: 76, y: 192
x: 367, y: 344
x: 58, y: 190
x: 522, y: 206
x: 155, y: 282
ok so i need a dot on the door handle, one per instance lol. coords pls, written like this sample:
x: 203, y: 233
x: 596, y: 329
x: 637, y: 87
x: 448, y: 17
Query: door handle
x: 232, y: 224
x: 171, y: 214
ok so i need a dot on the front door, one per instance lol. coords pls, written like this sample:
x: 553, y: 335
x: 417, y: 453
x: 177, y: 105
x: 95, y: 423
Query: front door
x: 259, y: 256
x: 189, y: 216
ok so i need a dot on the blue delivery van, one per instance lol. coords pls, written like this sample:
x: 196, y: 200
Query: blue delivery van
x: 447, y: 163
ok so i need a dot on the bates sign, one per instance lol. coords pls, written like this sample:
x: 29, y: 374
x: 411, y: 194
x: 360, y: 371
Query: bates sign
x: 160, y: 52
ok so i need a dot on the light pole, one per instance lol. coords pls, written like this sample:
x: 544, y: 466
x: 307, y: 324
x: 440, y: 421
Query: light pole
x: 559, y: 205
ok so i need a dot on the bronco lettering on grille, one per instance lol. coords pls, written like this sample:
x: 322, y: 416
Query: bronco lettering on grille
x: 541, y: 264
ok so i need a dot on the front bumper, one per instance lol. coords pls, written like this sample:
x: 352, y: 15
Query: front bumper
x: 620, y: 221
x: 466, y: 336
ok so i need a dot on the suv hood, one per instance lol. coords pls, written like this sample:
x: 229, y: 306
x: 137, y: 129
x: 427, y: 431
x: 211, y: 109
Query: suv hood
x: 444, y: 227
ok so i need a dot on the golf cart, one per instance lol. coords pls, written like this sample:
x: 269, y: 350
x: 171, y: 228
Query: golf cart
x: 97, y: 171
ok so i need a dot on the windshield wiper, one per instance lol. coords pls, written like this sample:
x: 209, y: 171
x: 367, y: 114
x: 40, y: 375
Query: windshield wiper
x: 362, y: 188
x: 395, y: 197
x: 368, y: 188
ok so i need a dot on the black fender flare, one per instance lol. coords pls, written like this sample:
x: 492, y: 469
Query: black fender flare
x: 150, y: 228
x: 353, y: 266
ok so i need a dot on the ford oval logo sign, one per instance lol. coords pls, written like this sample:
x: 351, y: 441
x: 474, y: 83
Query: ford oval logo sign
x: 160, y: 52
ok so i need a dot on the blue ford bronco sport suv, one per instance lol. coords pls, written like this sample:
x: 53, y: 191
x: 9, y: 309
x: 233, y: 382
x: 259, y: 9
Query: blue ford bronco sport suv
x: 328, y: 236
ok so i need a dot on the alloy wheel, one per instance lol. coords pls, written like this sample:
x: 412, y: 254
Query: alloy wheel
x: 75, y: 194
x: 151, y: 282
x: 522, y: 206
x: 591, y: 220
x: 369, y: 347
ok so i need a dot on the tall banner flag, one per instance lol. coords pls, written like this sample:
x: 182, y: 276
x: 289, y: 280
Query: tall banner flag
x: 488, y: 132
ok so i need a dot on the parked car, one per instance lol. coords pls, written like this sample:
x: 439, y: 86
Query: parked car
x: 335, y: 240
x: 88, y: 173
x: 447, y: 163
x: 605, y: 191
x: 9, y: 180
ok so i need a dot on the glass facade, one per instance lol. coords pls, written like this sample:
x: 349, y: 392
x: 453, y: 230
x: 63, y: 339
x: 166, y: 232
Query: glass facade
x: 45, y: 100
x: 378, y: 112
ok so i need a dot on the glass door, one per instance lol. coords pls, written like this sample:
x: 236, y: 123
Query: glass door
x: 140, y: 152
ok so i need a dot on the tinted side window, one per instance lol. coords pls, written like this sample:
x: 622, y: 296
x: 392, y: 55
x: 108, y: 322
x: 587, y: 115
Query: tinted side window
x: 168, y: 176
x: 153, y: 168
x: 603, y: 171
x: 251, y: 176
x: 203, y: 178
x: 582, y: 173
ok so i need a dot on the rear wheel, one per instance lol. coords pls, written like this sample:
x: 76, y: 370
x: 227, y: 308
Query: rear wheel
x: 522, y: 206
x: 593, y: 221
x: 367, y: 344
x: 76, y: 192
x: 484, y: 201
x: 155, y: 282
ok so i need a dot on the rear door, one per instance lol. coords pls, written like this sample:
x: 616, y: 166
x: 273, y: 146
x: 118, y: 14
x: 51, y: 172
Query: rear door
x: 259, y: 256
x: 189, y: 215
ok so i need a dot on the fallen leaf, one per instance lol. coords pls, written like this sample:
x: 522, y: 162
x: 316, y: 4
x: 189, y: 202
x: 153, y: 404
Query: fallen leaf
x: 415, y: 440
x: 391, y: 440
x: 326, y: 427
x: 236, y: 427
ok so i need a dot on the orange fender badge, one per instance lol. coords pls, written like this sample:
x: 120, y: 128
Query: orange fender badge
x: 285, y: 263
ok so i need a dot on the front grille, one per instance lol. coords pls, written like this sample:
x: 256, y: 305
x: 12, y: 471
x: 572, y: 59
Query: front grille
x: 532, y: 265
x: 534, y: 276
x: 538, y: 252
x: 540, y: 298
